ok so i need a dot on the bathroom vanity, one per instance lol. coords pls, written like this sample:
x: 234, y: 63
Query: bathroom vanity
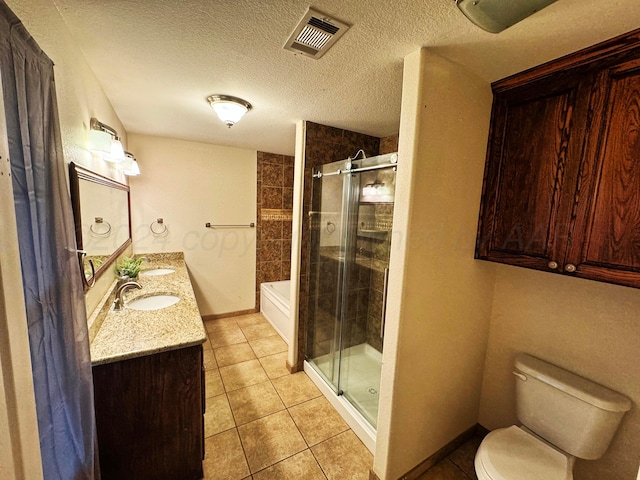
x: 148, y: 379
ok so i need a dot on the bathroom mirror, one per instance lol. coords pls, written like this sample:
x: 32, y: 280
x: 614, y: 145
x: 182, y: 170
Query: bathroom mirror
x: 101, y: 209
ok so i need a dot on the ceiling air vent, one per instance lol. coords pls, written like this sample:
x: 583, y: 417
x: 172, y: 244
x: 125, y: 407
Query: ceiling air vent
x: 315, y: 34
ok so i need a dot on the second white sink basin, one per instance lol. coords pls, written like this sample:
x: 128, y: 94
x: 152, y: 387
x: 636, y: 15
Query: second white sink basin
x: 157, y: 271
x: 153, y: 302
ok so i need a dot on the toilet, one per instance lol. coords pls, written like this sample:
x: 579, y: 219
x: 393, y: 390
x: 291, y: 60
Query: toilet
x: 564, y: 417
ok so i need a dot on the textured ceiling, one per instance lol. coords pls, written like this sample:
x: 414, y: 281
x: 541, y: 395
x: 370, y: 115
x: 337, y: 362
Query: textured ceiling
x: 159, y: 60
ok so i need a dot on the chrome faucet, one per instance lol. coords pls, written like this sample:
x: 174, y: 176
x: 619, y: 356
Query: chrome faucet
x: 118, y: 303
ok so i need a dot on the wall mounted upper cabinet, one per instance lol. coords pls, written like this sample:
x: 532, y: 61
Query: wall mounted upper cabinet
x: 561, y: 189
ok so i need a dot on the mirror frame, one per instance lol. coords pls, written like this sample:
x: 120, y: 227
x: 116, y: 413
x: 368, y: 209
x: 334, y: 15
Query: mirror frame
x: 77, y: 173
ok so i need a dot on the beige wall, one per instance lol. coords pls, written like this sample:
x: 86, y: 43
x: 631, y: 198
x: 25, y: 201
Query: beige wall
x: 439, y: 296
x: 590, y: 328
x: 189, y: 184
x: 80, y: 95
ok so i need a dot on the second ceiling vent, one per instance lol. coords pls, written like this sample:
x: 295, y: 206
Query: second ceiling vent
x: 315, y: 34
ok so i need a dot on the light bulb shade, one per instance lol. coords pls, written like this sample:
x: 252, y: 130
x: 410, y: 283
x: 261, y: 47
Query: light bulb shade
x: 116, y: 153
x: 496, y: 15
x: 129, y: 165
x: 229, y: 109
x: 132, y: 169
x: 99, y: 141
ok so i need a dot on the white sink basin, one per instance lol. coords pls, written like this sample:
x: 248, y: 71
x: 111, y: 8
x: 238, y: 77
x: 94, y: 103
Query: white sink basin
x: 157, y: 271
x: 153, y: 302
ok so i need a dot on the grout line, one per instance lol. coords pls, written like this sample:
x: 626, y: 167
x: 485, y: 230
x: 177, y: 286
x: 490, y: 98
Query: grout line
x: 319, y: 464
x: 286, y: 408
x: 457, y: 467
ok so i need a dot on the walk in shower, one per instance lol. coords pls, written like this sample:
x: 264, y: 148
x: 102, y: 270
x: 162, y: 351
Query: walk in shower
x: 350, y: 219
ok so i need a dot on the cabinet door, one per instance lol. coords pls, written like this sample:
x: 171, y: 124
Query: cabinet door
x: 149, y: 416
x: 534, y: 152
x: 606, y: 241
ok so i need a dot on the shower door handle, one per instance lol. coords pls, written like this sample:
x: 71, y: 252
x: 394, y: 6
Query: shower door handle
x: 384, y: 302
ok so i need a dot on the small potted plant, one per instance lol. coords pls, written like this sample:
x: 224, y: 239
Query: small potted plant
x: 129, y: 267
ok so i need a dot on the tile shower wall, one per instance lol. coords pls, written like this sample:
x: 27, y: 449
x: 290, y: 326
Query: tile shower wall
x: 274, y: 210
x: 324, y: 145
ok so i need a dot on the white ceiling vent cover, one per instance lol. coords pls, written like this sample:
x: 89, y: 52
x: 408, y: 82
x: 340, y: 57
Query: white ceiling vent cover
x: 315, y: 34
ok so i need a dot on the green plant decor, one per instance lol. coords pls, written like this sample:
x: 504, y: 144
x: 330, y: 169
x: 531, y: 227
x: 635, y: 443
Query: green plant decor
x: 129, y: 267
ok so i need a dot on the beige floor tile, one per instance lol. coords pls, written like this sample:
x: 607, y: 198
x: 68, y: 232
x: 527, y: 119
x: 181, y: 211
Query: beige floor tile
x: 344, y: 456
x: 220, y: 336
x: 242, y: 375
x: 230, y: 354
x: 301, y: 466
x: 250, y: 403
x: 275, y: 365
x: 464, y: 456
x: 209, y: 360
x: 224, y: 457
x: 295, y: 389
x: 261, y: 330
x: 251, y: 319
x: 213, y: 383
x: 207, y: 344
x: 268, y: 345
x: 268, y: 440
x: 317, y: 420
x: 220, y: 322
x: 218, y: 417
x: 443, y: 470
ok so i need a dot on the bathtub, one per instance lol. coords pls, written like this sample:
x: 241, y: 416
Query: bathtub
x: 274, y: 305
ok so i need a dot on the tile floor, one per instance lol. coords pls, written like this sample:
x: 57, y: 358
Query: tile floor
x: 263, y: 423
x: 458, y: 465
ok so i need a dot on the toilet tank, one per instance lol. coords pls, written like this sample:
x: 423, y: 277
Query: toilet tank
x: 569, y: 411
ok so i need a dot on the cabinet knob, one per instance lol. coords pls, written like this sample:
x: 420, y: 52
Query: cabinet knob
x: 553, y: 265
x: 570, y: 268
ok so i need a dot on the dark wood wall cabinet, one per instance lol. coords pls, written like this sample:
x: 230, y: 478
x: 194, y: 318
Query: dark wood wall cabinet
x: 149, y: 416
x: 561, y: 188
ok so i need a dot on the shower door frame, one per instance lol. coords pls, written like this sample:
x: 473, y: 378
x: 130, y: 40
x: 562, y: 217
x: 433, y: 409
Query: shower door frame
x: 348, y: 236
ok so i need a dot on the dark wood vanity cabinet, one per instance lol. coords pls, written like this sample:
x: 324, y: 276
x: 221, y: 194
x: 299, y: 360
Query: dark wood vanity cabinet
x: 149, y: 416
x: 561, y: 190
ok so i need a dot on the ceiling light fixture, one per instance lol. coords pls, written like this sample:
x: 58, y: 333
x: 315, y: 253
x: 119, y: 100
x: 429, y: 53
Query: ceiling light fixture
x: 229, y: 109
x: 105, y: 141
x: 496, y: 15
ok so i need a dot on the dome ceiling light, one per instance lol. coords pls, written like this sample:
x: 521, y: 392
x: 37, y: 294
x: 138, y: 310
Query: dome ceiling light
x: 496, y: 15
x: 229, y: 109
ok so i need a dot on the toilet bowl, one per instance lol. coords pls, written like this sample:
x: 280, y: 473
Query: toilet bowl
x: 564, y: 417
x: 514, y: 454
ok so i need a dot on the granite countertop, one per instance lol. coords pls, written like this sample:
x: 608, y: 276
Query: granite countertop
x: 128, y: 333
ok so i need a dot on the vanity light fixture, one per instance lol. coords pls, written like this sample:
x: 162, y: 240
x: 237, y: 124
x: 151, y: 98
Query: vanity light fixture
x: 104, y: 140
x: 130, y: 165
x: 229, y: 109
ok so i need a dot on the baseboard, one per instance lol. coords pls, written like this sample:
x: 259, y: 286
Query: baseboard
x: 426, y: 464
x: 482, y: 431
x: 228, y: 314
x: 293, y: 368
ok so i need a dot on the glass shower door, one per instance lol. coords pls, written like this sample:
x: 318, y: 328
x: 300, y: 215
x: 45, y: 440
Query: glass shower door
x: 350, y: 243
x: 368, y: 240
x: 328, y: 247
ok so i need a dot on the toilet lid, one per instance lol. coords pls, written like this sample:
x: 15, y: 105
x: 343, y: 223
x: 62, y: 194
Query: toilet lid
x: 513, y: 454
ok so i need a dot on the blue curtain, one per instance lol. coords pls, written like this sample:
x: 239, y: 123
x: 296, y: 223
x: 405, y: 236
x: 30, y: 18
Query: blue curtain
x: 53, y: 290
